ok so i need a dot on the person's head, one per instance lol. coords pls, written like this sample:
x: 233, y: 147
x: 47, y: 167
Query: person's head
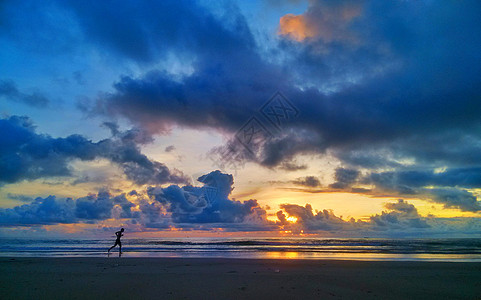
x: 122, y: 230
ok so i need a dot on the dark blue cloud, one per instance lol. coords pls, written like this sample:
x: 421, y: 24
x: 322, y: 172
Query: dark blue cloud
x: 10, y: 92
x: 19, y: 197
x: 94, y: 207
x: 41, y: 211
x: 209, y: 204
x: 51, y: 210
x: 26, y: 155
x: 455, y: 198
x: 447, y: 187
x: 146, y: 32
x: 402, y: 215
x: 344, y: 178
x: 460, y: 177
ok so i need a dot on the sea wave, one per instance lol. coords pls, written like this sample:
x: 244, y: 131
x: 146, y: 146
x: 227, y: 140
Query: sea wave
x: 441, y: 249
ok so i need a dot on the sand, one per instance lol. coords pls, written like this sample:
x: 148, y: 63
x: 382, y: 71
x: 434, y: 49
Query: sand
x: 212, y: 278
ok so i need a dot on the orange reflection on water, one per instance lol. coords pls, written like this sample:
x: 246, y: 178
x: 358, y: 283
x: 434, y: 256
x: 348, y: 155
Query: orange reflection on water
x: 369, y: 256
x: 282, y: 255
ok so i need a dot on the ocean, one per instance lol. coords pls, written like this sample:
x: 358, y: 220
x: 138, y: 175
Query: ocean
x: 275, y: 248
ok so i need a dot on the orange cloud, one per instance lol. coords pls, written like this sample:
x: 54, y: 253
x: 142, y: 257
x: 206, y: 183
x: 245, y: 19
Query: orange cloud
x: 295, y: 27
x: 326, y: 22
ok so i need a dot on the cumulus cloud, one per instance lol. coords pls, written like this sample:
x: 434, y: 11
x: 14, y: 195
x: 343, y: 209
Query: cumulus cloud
x: 51, y: 210
x: 399, y: 216
x: 185, y: 207
x: 27, y: 155
x: 208, y: 204
x: 402, y: 215
x: 309, y: 221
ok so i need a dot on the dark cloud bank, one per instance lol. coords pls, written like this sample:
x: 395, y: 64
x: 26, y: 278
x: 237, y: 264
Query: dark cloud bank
x: 408, y: 77
x: 377, y: 83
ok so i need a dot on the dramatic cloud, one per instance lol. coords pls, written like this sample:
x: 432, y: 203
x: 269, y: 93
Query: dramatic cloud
x: 402, y: 215
x: 210, y: 203
x: 306, y: 220
x: 183, y: 207
x: 368, y: 82
x: 26, y: 155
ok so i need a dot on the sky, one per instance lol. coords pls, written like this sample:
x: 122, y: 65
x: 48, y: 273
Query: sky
x: 240, y: 118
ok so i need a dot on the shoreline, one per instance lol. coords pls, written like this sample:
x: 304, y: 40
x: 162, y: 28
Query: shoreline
x: 234, y: 278
x: 366, y: 257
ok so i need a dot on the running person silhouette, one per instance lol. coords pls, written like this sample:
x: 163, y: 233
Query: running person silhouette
x: 119, y: 234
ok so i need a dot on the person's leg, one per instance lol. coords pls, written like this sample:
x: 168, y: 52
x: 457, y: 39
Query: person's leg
x: 113, y: 246
x: 120, y: 247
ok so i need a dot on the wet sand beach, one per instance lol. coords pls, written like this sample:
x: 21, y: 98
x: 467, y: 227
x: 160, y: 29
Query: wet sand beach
x: 219, y: 278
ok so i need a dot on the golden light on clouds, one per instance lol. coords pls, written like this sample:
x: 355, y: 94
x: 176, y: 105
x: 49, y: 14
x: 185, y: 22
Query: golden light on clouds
x: 291, y: 219
x: 295, y: 27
